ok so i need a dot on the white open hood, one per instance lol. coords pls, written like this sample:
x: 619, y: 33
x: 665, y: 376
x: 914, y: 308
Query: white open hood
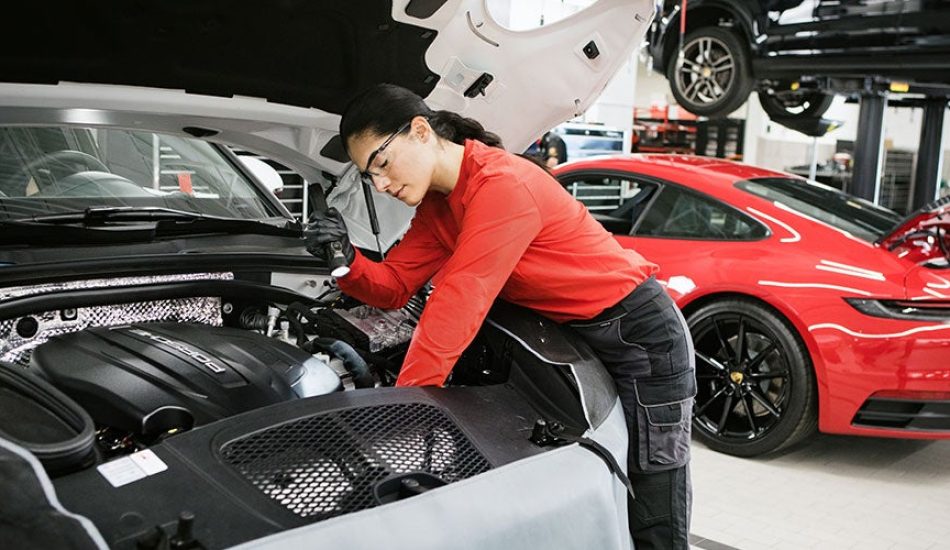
x: 538, y: 78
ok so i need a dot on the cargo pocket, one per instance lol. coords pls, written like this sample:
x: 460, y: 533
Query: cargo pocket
x: 664, y: 413
x: 656, y: 329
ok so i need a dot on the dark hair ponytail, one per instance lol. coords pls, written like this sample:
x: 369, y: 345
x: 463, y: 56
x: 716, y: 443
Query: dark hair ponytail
x: 382, y: 109
x: 456, y: 128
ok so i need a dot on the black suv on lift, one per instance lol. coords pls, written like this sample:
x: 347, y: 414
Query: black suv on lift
x: 798, y: 53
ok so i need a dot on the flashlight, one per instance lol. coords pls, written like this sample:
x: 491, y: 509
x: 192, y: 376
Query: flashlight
x: 336, y: 259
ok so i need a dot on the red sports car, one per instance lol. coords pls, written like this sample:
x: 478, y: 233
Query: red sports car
x: 809, y: 308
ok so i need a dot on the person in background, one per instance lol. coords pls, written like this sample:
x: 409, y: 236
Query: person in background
x: 553, y: 150
x: 490, y: 224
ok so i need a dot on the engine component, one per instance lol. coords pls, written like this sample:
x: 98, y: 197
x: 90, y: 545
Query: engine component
x: 383, y: 328
x: 150, y: 379
x: 272, y: 314
x: 253, y: 319
x: 354, y: 365
x: 40, y: 418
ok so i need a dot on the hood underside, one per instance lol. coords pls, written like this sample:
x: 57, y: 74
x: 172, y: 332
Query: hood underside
x: 209, y: 64
x: 306, y: 53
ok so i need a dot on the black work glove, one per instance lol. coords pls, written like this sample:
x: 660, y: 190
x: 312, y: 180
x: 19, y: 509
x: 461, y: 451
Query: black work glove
x: 325, y: 227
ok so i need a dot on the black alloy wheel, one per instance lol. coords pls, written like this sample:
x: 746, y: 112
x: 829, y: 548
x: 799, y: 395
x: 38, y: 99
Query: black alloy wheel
x: 756, y: 386
x: 712, y: 77
x: 797, y: 104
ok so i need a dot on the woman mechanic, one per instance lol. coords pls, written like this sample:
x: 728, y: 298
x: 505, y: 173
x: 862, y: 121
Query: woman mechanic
x: 492, y: 224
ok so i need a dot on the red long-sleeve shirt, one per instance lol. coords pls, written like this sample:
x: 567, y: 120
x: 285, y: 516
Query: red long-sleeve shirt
x: 507, y: 229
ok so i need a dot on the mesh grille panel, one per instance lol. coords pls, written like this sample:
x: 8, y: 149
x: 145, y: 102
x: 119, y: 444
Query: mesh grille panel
x: 327, y: 465
x: 16, y: 349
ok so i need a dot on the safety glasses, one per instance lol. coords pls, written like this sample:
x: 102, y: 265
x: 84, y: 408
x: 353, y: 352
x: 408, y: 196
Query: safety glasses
x: 366, y: 175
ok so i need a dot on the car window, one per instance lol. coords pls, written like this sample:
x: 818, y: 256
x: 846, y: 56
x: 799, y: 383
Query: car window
x: 679, y: 213
x: 615, y: 201
x: 604, y: 194
x: 859, y: 217
x: 57, y: 169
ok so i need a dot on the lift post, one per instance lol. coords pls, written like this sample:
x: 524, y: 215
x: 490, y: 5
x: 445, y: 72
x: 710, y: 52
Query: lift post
x: 869, y: 148
x: 930, y: 152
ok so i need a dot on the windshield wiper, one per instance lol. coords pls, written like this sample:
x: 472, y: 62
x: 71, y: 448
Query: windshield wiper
x: 119, y: 213
x: 109, y: 223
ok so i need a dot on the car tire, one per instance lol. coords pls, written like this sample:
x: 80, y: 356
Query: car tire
x: 801, y: 104
x: 758, y: 400
x: 722, y: 54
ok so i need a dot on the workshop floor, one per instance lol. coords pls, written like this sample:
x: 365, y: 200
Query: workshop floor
x: 829, y: 492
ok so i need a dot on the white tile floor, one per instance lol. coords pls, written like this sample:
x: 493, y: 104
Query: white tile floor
x: 830, y: 492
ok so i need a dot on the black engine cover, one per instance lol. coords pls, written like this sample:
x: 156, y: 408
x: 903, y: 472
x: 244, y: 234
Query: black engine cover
x: 152, y: 378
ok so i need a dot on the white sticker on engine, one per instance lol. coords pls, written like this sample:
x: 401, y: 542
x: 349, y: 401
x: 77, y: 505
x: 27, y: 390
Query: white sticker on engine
x: 131, y: 468
x: 149, y: 462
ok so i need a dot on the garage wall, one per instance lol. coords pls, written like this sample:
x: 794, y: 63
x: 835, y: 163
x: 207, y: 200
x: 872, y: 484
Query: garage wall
x: 652, y: 87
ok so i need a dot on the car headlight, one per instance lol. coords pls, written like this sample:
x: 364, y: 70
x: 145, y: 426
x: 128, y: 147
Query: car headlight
x: 932, y: 311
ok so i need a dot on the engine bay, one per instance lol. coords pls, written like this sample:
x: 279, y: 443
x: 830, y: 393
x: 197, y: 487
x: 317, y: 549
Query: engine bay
x: 262, y: 406
x: 145, y: 371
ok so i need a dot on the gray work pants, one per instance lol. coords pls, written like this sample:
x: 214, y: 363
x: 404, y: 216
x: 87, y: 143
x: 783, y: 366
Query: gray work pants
x: 644, y: 343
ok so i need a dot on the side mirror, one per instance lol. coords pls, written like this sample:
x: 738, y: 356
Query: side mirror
x: 264, y: 173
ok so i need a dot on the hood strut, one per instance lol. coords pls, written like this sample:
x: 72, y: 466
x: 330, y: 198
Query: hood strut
x: 373, y: 219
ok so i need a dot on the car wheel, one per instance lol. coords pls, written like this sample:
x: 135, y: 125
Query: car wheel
x: 803, y: 104
x: 756, y: 386
x: 713, y: 78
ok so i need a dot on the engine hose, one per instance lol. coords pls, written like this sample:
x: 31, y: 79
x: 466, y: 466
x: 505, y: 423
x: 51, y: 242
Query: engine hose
x: 382, y: 365
x: 303, y: 310
x: 298, y: 329
x: 294, y: 312
x: 329, y: 327
x: 253, y: 319
x: 354, y: 364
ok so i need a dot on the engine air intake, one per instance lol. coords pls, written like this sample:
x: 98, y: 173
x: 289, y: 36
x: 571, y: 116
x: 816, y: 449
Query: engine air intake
x: 328, y: 464
x: 905, y: 410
